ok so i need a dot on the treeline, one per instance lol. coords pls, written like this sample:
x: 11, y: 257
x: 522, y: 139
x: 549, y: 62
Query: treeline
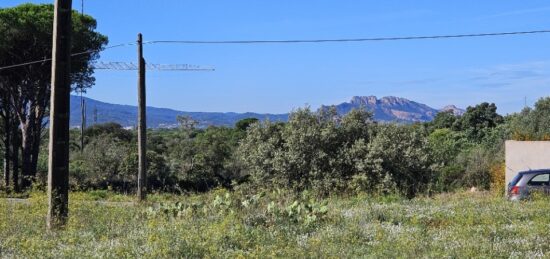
x: 25, y: 90
x: 318, y: 151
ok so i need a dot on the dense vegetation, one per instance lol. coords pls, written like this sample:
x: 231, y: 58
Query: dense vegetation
x: 238, y: 224
x: 317, y: 151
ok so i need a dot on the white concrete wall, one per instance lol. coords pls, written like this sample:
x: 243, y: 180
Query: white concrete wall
x: 526, y: 155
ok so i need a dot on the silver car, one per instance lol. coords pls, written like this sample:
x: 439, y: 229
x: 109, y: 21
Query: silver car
x: 528, y: 181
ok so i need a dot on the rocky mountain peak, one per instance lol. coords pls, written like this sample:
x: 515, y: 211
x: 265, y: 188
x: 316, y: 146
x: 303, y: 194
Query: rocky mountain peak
x: 364, y: 100
x: 392, y: 100
x: 392, y: 108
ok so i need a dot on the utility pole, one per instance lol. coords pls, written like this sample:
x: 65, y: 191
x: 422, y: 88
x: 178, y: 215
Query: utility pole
x: 82, y: 101
x: 142, y: 125
x: 141, y: 67
x: 58, y: 163
x: 82, y: 122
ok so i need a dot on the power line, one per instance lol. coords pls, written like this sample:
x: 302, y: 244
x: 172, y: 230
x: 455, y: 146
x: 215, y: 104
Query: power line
x: 350, y: 40
x: 296, y: 41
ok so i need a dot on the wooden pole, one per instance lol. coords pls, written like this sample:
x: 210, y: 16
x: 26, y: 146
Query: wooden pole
x: 58, y: 163
x: 82, y: 122
x: 142, y: 125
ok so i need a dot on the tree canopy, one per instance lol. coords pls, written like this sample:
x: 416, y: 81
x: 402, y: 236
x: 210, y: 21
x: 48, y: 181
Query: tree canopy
x: 27, y: 36
x: 27, y: 32
x: 476, y: 120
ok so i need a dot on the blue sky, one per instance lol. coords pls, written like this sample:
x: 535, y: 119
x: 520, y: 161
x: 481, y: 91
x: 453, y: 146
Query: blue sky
x: 278, y: 78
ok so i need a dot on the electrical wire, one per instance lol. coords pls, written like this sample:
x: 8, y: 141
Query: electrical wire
x: 295, y: 41
x: 350, y: 40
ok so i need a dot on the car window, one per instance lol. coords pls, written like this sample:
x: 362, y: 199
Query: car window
x: 515, y: 180
x: 540, y: 179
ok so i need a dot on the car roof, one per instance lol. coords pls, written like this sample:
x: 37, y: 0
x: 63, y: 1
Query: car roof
x: 535, y: 171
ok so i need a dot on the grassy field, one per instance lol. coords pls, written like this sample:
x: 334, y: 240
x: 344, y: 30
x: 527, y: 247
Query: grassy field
x: 277, y: 224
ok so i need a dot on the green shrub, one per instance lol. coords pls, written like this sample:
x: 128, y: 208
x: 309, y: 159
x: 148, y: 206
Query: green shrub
x: 268, y: 209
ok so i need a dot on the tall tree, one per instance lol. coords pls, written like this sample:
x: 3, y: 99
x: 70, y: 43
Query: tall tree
x: 10, y: 136
x: 5, y: 132
x: 26, y: 36
x: 443, y: 120
x: 15, y: 148
x: 476, y: 120
x: 532, y: 123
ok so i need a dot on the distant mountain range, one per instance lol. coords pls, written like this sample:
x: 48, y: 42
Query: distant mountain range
x: 126, y: 115
x: 388, y: 109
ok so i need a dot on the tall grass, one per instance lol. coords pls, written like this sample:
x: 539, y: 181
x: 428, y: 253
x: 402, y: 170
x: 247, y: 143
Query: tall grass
x: 279, y: 224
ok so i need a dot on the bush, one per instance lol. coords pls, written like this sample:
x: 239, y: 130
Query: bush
x: 399, y: 158
x: 206, y: 160
x: 326, y: 153
x: 476, y: 163
x: 449, y: 178
x: 309, y: 152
